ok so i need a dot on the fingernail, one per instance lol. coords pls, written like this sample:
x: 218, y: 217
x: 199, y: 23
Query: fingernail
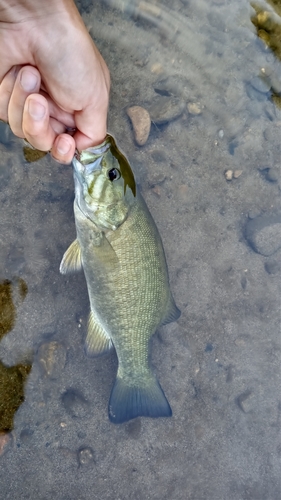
x: 28, y: 81
x: 63, y: 146
x: 36, y: 110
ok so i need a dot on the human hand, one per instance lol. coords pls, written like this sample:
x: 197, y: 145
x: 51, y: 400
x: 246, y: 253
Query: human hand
x: 52, y: 77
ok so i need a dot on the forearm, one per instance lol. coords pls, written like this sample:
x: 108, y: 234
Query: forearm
x: 27, y: 24
x: 17, y: 11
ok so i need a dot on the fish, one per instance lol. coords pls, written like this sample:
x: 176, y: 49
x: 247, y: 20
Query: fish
x: 119, y: 248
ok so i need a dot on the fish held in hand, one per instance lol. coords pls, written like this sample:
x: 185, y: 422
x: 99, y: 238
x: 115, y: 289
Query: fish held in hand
x: 120, y: 250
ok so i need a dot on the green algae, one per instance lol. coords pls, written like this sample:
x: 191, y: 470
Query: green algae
x: 31, y: 155
x: 12, y: 379
x: 268, y: 25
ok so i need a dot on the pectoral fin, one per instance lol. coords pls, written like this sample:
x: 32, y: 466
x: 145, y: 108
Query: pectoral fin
x: 98, y: 342
x: 71, y: 260
x: 172, y: 314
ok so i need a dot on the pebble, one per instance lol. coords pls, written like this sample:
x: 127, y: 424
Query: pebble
x: 158, y: 155
x: 150, y: 8
x: 183, y: 192
x: 255, y: 94
x: 275, y: 84
x: 253, y: 213
x: 74, y: 403
x: 260, y: 84
x: 141, y: 62
x: 237, y: 173
x: 164, y: 109
x: 272, y: 267
x: 246, y: 401
x: 157, y: 190
x: 172, y: 85
x: 264, y: 234
x: 157, y: 68
x: 229, y: 175
x: 272, y: 134
x: 273, y: 174
x: 194, y: 108
x: 51, y: 359
x: 86, y: 457
x: 155, y: 176
x: 270, y: 111
x: 5, y: 442
x: 141, y: 123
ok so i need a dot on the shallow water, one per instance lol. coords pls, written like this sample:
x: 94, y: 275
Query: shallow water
x: 220, y: 363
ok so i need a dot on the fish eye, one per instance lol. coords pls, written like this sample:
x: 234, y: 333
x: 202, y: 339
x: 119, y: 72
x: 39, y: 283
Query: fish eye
x: 114, y: 174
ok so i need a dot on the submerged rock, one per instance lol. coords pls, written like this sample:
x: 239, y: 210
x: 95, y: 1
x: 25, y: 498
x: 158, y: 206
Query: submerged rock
x: 260, y: 84
x: 272, y: 267
x: 264, y: 234
x: 5, y: 442
x: 164, y: 109
x: 86, y: 457
x: 74, y: 403
x: 246, y: 401
x: 141, y: 123
x: 51, y: 359
x: 273, y: 174
x: 194, y: 108
x: 173, y: 85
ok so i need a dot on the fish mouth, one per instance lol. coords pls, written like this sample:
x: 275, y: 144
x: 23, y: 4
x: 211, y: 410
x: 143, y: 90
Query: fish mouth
x: 94, y: 153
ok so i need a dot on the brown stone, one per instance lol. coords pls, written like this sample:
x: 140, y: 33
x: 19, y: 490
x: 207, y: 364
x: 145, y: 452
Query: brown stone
x: 141, y: 123
x: 5, y: 441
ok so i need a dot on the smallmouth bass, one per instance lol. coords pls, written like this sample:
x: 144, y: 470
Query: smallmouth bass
x: 120, y: 250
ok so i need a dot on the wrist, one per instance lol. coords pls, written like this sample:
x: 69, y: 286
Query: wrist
x: 19, y: 11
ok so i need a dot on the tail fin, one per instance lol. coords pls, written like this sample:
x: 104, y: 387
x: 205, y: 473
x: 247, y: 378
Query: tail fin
x: 127, y: 401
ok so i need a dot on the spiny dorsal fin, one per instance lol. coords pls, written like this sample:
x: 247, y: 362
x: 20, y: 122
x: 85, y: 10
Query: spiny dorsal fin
x: 172, y: 314
x: 98, y: 342
x: 71, y: 260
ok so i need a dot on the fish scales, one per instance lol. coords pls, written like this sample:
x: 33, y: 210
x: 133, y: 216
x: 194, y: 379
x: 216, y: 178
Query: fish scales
x: 123, y: 259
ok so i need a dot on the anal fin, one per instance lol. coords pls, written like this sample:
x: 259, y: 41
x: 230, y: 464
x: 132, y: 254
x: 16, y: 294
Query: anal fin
x: 72, y: 260
x: 172, y: 314
x: 98, y: 342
